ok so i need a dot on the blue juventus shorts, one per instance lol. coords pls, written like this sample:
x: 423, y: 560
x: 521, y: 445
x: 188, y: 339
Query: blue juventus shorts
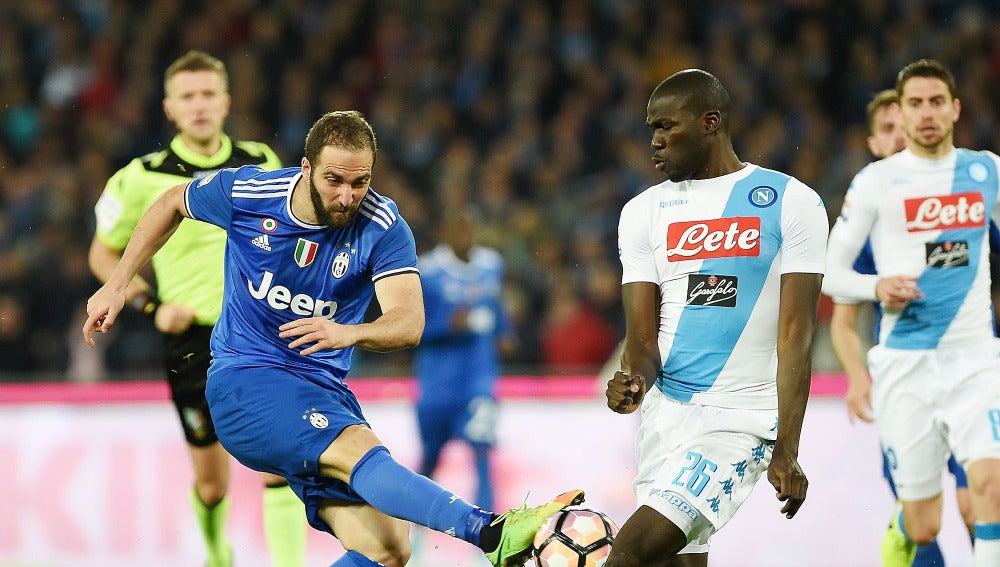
x: 280, y: 420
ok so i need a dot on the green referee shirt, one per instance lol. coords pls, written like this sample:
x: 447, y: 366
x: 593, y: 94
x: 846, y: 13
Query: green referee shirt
x: 188, y: 268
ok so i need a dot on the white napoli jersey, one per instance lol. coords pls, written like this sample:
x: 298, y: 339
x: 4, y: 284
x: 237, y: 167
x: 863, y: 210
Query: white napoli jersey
x: 927, y: 218
x: 717, y: 248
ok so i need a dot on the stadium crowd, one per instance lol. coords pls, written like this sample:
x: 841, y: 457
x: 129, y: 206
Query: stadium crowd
x: 531, y: 111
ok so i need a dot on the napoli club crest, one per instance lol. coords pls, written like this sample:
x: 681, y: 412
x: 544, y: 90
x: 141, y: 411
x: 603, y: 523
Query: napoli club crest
x: 340, y: 264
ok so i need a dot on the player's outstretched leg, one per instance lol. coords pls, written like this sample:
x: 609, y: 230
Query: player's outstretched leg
x: 898, y: 550
x: 514, y: 530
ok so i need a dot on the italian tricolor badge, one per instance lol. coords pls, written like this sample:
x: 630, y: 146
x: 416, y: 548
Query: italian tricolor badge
x: 305, y: 252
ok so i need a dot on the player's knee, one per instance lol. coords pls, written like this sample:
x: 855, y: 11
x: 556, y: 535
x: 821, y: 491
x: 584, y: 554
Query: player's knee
x: 393, y: 554
x: 922, y: 531
x: 210, y: 492
x: 984, y: 485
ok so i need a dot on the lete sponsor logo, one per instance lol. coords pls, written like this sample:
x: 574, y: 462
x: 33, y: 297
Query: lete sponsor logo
x: 713, y: 238
x: 961, y: 210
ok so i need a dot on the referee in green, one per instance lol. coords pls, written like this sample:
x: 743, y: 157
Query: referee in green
x: 188, y: 296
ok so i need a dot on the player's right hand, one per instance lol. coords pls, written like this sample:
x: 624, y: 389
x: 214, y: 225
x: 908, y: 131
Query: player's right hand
x: 896, y: 291
x: 859, y: 400
x: 174, y: 318
x: 102, y: 309
x: 625, y: 392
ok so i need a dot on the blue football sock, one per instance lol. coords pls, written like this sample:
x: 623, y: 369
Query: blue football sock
x: 355, y: 559
x: 484, y: 494
x: 399, y: 492
x: 928, y: 555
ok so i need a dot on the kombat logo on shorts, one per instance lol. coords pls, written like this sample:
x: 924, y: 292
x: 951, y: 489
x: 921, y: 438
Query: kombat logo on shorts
x: 961, y: 210
x: 316, y: 419
x: 948, y: 254
x: 195, y: 422
x: 713, y: 291
x: 713, y: 238
x: 305, y: 252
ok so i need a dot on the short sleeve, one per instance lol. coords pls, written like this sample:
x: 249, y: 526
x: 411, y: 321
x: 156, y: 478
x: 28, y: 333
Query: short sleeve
x: 395, y: 252
x: 804, y: 228
x: 634, y: 248
x: 118, y: 210
x: 210, y: 199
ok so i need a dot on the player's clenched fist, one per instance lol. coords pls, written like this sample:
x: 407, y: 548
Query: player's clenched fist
x: 625, y: 392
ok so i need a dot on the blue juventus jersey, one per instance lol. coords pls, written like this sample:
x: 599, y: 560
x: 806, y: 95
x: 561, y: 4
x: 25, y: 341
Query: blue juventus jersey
x: 460, y: 364
x: 279, y: 268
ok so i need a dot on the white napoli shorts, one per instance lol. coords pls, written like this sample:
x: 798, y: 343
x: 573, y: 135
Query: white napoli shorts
x: 929, y: 403
x: 698, y: 464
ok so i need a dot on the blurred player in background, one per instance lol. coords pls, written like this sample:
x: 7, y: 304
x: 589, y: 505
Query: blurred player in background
x: 936, y: 383
x: 722, y: 266
x: 188, y: 296
x: 293, y: 312
x: 458, y: 360
x: 885, y: 137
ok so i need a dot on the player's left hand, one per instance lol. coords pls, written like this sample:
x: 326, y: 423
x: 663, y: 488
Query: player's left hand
x: 788, y: 480
x: 102, y: 309
x: 322, y: 332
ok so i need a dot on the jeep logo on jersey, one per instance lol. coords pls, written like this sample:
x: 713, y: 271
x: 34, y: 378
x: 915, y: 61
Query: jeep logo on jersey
x: 280, y: 298
x: 305, y: 252
x: 961, y: 210
x: 715, y: 238
x: 947, y: 254
x: 712, y: 290
x: 340, y: 263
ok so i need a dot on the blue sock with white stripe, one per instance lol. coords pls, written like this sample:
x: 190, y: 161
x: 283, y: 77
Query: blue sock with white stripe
x: 986, y: 548
x: 928, y: 555
x: 399, y: 492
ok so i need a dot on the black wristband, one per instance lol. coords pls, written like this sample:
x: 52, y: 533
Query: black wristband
x: 145, y: 303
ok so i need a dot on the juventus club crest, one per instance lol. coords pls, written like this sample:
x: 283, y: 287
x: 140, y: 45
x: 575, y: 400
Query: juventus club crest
x: 340, y: 264
x: 305, y: 252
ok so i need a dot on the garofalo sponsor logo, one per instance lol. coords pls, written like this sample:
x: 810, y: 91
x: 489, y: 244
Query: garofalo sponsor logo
x: 280, y: 298
x: 712, y: 290
x: 950, y: 253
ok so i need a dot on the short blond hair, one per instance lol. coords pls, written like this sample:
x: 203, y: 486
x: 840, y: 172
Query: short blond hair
x: 195, y: 60
x: 885, y: 98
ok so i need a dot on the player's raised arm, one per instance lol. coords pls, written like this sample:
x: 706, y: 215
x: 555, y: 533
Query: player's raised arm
x: 153, y: 230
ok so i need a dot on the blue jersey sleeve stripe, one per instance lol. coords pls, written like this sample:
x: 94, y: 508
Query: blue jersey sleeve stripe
x: 380, y: 203
x: 258, y: 195
x: 397, y: 271
x: 374, y: 210
x: 378, y: 220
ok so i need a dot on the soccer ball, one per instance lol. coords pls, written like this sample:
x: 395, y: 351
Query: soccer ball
x: 574, y: 537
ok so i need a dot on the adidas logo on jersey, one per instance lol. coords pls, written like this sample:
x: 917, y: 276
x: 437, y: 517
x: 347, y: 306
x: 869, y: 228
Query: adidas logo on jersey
x: 262, y: 242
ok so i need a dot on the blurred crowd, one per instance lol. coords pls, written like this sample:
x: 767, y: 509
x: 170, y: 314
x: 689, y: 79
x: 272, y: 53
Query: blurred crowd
x: 530, y: 111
